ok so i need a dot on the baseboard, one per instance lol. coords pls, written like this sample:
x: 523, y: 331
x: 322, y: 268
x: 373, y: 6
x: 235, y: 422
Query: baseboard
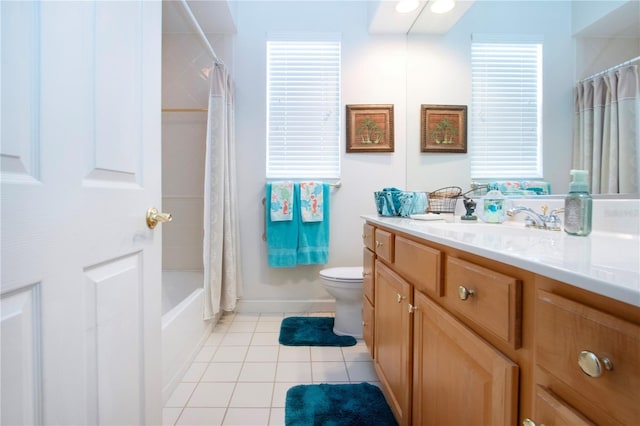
x: 275, y: 306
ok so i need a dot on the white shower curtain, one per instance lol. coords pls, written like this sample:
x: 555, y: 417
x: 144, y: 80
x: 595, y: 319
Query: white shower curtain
x: 222, y: 279
x: 606, y: 137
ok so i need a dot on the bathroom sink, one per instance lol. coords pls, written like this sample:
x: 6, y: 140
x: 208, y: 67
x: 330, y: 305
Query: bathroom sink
x: 601, y: 253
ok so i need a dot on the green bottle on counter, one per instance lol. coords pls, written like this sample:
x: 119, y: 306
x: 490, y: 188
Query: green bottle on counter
x: 578, y: 205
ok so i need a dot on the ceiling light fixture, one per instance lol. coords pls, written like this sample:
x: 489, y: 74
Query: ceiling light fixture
x: 442, y: 6
x: 406, y: 6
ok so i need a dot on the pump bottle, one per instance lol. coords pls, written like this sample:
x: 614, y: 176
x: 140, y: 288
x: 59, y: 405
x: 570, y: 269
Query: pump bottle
x: 578, y: 205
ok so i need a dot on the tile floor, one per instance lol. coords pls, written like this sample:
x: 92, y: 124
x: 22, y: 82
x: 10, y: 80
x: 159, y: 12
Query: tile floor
x: 242, y: 374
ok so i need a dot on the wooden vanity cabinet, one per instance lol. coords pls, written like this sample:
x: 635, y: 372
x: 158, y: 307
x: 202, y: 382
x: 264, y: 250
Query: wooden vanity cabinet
x: 461, y: 339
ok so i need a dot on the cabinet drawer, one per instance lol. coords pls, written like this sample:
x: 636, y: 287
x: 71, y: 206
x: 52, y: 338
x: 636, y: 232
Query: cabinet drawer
x: 550, y: 410
x: 490, y: 299
x: 368, y: 265
x: 419, y: 264
x: 384, y: 244
x: 565, y: 328
x: 367, y: 236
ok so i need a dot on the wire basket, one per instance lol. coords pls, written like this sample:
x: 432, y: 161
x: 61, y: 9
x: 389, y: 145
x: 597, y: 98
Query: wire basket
x: 444, y: 200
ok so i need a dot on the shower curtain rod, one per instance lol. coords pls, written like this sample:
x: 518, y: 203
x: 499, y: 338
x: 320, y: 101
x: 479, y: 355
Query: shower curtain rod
x: 197, y: 26
x: 615, y: 67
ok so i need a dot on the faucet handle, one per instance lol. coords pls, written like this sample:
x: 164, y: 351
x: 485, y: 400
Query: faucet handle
x: 544, y: 209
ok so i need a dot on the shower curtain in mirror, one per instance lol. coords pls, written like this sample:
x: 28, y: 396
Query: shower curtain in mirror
x: 221, y: 238
x: 606, y: 137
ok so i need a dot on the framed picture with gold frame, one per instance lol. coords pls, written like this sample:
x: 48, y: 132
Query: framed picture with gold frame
x: 370, y: 128
x: 443, y: 128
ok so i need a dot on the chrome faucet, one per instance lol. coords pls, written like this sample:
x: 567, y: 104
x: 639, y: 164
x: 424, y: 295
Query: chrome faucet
x: 551, y: 222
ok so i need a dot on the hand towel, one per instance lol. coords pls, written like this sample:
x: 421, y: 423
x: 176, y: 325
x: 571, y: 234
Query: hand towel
x: 311, y: 201
x: 282, y: 237
x: 313, y: 237
x: 281, y: 201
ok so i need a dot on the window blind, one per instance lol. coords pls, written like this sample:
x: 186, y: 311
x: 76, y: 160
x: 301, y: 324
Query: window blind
x: 303, y: 107
x: 506, y: 98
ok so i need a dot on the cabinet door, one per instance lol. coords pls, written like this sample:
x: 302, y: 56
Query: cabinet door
x: 368, y: 265
x: 368, y: 325
x: 459, y: 379
x: 392, y: 337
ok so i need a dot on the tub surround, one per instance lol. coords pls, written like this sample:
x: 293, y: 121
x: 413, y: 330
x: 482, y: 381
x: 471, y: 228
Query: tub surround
x: 607, y: 262
x: 183, y: 329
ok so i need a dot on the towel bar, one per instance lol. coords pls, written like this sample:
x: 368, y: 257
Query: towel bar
x: 264, y: 217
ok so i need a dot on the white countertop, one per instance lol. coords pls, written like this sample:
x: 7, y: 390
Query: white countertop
x: 605, y: 263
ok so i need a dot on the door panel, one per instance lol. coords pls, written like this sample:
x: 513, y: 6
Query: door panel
x: 80, y: 166
x: 20, y: 364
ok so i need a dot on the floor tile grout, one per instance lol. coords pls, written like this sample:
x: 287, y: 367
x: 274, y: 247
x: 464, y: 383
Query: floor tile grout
x: 320, y: 365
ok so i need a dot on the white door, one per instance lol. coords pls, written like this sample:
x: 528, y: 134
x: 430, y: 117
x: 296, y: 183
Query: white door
x: 80, y: 279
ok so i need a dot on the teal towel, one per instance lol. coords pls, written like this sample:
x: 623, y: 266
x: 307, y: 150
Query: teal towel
x: 282, y: 236
x: 313, y: 237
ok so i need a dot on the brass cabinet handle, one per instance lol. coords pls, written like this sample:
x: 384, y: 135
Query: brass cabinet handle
x: 154, y: 217
x: 591, y: 365
x: 529, y: 422
x: 465, y: 293
x: 399, y: 297
x: 378, y: 244
x: 365, y: 274
x: 412, y: 308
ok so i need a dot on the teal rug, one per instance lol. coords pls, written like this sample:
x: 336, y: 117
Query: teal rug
x: 311, y: 331
x: 335, y: 405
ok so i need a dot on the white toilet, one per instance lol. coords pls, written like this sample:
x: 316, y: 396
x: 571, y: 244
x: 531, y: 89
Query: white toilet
x: 345, y: 284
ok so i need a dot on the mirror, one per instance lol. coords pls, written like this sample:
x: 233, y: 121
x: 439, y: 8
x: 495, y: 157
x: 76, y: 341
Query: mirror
x: 581, y: 38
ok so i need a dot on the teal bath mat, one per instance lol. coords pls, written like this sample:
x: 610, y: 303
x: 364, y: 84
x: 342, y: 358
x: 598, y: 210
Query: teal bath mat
x: 349, y: 405
x: 311, y: 331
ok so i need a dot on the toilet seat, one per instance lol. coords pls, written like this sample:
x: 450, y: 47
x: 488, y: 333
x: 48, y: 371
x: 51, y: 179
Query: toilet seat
x: 348, y: 274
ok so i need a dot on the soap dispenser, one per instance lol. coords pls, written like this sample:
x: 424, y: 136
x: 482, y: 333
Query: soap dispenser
x: 578, y: 205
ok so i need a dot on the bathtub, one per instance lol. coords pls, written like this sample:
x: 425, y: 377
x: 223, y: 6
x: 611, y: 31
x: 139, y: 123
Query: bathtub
x: 183, y: 329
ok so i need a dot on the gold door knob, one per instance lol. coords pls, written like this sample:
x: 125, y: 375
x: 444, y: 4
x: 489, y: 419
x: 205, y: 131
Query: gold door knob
x: 464, y: 293
x: 154, y: 216
x: 591, y: 365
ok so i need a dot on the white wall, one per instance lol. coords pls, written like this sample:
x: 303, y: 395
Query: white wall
x: 373, y: 72
x: 439, y: 72
x: 607, y: 34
